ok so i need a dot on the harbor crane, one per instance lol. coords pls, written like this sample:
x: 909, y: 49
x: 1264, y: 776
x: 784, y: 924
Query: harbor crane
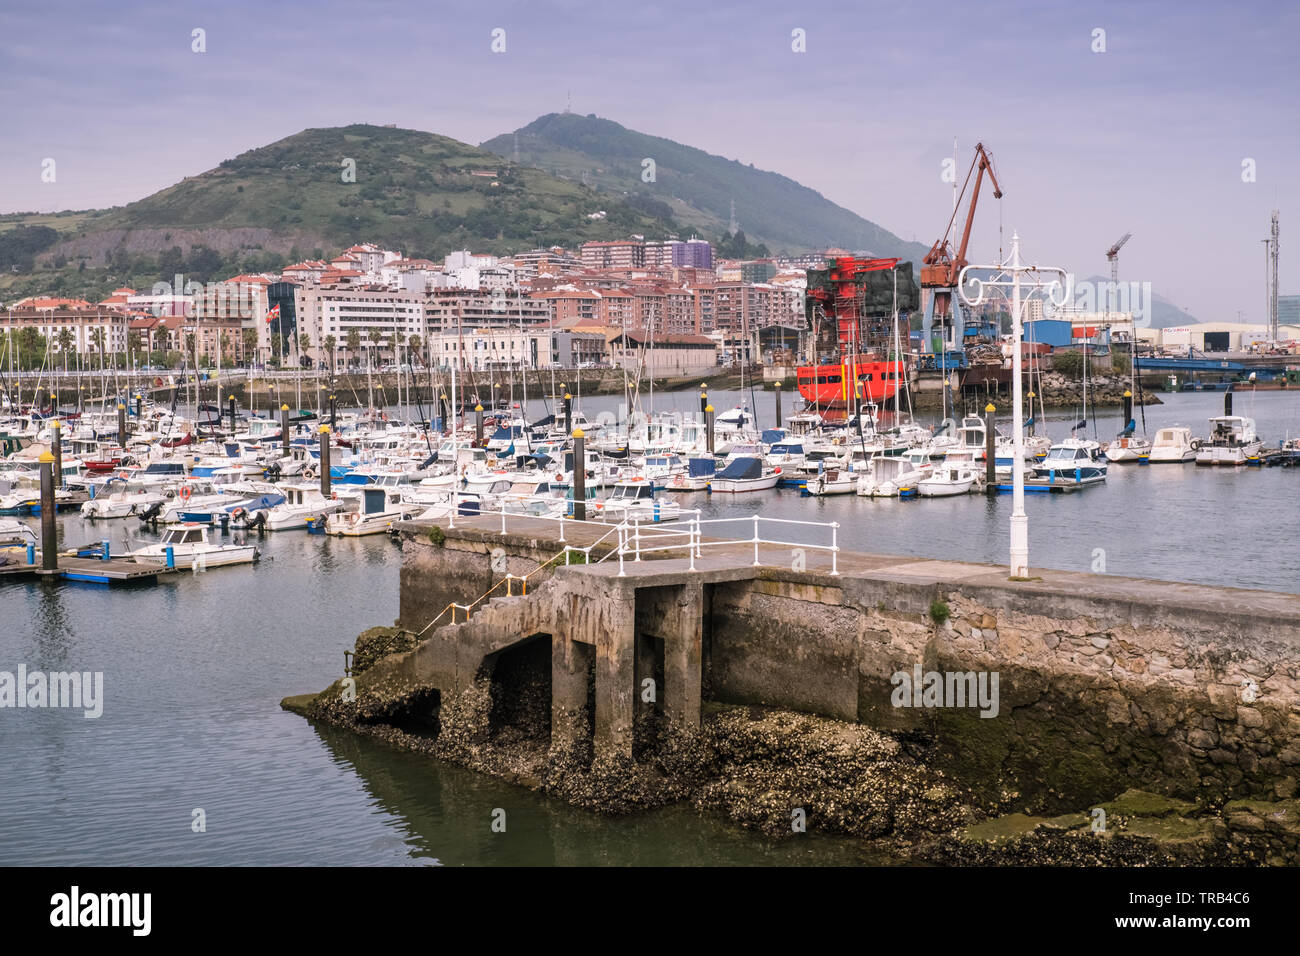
x: 941, y: 267
x: 1112, y: 256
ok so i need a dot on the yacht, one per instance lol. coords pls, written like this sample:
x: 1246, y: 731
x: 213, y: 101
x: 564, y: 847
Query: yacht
x: 1173, y: 446
x: 1232, y: 442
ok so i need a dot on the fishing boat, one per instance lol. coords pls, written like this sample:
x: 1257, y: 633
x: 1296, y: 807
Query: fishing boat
x: 189, y: 544
x: 744, y: 475
x: 831, y: 481
x: 374, y: 513
x: 948, y: 479
x: 1173, y: 446
x: 1232, y: 442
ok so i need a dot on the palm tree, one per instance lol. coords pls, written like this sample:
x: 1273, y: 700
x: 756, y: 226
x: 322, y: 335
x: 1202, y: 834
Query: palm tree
x: 354, y: 344
x: 330, y: 344
x: 375, y: 337
x: 413, y: 347
x: 97, y: 340
x: 250, y: 344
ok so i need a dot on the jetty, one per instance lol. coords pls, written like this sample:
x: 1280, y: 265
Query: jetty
x: 1105, y: 683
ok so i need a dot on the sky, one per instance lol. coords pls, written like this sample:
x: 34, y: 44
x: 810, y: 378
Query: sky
x: 1178, y: 123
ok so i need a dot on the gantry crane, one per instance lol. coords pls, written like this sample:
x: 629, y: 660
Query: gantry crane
x: 940, y: 267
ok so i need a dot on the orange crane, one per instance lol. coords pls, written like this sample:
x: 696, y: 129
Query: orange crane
x: 940, y: 268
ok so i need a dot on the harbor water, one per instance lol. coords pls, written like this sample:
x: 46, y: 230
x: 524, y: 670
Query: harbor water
x: 194, y: 668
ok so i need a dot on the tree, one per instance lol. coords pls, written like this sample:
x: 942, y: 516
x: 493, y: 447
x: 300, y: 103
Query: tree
x: 191, y: 340
x: 226, y: 357
x: 413, y: 345
x: 250, y: 344
x: 133, y: 342
x: 304, y: 342
x: 97, y: 340
x: 375, y: 337
x: 330, y: 344
x: 66, y: 340
x: 354, y: 344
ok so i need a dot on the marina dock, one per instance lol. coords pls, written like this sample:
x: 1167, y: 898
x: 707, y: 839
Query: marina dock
x: 114, y: 571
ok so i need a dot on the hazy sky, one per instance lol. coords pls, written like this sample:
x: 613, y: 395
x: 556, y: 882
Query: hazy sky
x: 1148, y: 136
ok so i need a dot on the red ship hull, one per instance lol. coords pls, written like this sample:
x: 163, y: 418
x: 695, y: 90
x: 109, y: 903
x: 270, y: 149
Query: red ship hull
x: 832, y: 386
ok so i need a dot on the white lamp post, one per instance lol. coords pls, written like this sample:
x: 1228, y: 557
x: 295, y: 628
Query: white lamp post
x: 1007, y: 275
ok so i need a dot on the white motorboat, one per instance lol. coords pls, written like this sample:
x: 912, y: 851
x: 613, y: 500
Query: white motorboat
x: 892, y: 477
x: 189, y: 545
x: 699, y: 472
x: 15, y: 534
x: 301, y: 503
x: 1173, y: 446
x: 1074, y: 461
x: 744, y: 475
x: 949, y: 479
x: 1232, y: 442
x: 635, y: 499
x: 1128, y: 448
x: 122, y: 500
x: 832, y: 481
x: 373, y: 513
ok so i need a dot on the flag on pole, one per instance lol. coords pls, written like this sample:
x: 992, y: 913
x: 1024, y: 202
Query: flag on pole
x: 273, y: 313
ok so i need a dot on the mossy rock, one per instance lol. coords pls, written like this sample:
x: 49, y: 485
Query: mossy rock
x: 1143, y: 803
x: 298, y: 704
x: 1001, y: 829
x: 1170, y: 829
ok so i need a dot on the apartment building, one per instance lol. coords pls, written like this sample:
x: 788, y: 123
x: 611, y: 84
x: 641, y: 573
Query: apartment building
x: 382, y: 318
x: 84, y: 328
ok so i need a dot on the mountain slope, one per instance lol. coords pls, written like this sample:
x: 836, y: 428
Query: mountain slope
x: 413, y: 191
x: 697, y: 187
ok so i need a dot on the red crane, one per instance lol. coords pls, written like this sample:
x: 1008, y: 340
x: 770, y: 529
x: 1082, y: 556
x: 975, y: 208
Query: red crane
x: 940, y: 268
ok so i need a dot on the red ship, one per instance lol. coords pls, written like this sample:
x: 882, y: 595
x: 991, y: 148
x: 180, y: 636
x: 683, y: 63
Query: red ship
x: 851, y: 310
x: 829, y: 386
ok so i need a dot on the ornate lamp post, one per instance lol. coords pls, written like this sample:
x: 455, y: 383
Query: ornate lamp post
x: 1017, y: 277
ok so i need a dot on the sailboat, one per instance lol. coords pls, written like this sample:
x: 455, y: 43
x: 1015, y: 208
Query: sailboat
x: 1127, y: 446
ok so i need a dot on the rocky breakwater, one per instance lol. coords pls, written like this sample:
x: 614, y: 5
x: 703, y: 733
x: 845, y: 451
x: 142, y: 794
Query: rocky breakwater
x: 1059, y: 390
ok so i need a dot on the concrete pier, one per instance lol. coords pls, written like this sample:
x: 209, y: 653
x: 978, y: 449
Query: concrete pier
x: 1104, y: 683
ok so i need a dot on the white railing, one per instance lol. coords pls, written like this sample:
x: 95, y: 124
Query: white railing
x: 635, y: 531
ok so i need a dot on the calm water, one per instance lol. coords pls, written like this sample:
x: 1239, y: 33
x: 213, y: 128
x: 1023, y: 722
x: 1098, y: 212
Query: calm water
x: 1232, y: 527
x: 194, y: 669
x: 193, y: 672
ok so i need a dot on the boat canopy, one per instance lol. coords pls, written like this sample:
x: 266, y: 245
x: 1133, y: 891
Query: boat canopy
x: 771, y: 436
x: 743, y: 469
x: 701, y: 467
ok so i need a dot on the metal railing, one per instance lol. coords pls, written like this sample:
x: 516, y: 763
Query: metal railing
x: 635, y: 530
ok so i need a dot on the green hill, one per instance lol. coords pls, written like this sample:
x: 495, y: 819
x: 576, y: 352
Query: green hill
x: 413, y: 191
x: 696, y: 187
